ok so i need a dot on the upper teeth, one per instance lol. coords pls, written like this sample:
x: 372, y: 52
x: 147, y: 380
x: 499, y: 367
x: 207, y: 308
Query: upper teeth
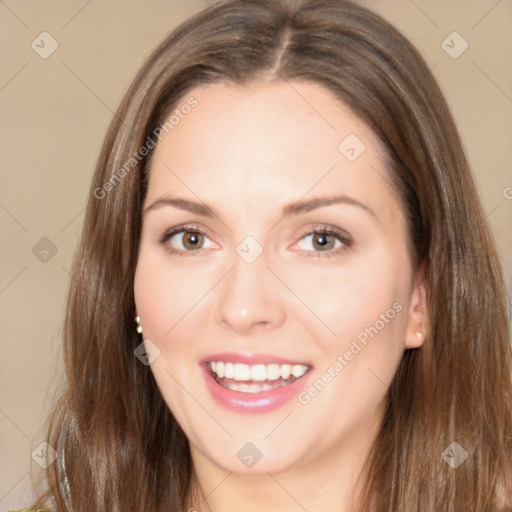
x: 257, y: 372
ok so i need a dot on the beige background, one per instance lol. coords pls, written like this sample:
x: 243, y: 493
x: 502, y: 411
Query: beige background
x: 54, y: 115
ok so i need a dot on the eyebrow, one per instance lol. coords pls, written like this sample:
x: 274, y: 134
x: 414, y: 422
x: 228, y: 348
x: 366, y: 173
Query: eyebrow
x: 295, y: 208
x: 319, y: 202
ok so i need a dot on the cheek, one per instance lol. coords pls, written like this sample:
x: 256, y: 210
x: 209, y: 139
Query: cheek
x: 360, y: 341
x: 165, y: 293
x: 367, y: 310
x: 164, y: 298
x: 152, y: 294
x: 346, y: 301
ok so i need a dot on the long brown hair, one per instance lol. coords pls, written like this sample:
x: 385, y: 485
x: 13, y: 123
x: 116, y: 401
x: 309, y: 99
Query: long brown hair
x: 120, y: 448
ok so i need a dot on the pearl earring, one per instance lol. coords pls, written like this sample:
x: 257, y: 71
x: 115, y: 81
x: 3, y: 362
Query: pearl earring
x: 137, y: 321
x: 419, y: 335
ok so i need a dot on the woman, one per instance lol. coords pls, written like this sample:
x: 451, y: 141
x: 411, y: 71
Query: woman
x: 286, y: 294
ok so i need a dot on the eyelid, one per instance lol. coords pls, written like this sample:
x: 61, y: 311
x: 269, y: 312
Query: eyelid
x: 191, y: 226
x: 183, y: 228
x: 340, y: 234
x: 343, y: 236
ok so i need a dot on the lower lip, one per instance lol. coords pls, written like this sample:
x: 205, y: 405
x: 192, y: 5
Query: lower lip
x: 253, y: 403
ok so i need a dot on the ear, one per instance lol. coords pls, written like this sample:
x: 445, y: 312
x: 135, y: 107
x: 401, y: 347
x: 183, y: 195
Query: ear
x: 417, y: 316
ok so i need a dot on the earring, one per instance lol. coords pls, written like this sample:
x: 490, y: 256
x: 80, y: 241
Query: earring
x: 419, y: 335
x: 137, y: 321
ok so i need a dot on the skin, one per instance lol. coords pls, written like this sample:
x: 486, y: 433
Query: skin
x: 247, y: 152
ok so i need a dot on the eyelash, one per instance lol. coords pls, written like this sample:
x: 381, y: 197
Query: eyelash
x: 342, y: 236
x: 179, y: 229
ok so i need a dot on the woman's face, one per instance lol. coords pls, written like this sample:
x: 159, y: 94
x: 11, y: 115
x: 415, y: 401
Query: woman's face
x: 274, y: 280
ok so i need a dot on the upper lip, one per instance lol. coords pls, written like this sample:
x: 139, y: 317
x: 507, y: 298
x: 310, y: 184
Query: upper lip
x: 251, y: 359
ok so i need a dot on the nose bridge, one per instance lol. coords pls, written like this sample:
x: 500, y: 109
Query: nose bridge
x: 247, y: 298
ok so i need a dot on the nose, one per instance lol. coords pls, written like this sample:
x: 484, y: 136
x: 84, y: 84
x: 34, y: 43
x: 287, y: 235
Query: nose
x: 249, y: 298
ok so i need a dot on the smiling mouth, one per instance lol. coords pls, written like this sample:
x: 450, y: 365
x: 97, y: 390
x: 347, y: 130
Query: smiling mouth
x: 255, y: 378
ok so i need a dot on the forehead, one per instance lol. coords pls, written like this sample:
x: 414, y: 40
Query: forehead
x: 301, y: 114
x: 264, y: 140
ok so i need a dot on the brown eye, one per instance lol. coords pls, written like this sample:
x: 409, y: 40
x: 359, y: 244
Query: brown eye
x: 323, y: 241
x: 192, y: 240
x: 183, y: 240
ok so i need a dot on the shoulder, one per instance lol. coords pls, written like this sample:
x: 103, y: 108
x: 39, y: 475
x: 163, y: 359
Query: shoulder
x: 27, y: 510
x: 30, y: 510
